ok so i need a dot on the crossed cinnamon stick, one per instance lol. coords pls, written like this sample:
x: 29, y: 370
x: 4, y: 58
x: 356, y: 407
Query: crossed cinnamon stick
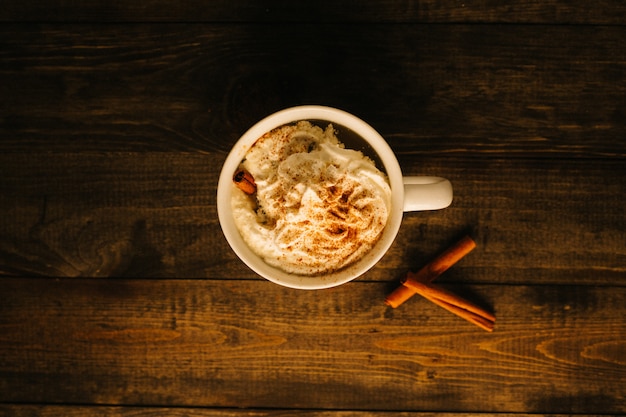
x: 421, y: 283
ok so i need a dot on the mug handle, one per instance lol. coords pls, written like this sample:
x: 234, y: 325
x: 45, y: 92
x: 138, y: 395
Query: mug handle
x: 426, y: 193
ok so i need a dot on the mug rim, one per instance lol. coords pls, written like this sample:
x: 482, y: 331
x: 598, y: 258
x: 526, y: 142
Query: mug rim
x: 292, y: 115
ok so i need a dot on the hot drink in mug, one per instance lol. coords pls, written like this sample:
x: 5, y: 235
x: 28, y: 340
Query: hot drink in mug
x: 312, y: 197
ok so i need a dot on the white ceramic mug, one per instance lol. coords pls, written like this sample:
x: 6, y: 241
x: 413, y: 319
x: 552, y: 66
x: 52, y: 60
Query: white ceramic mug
x: 407, y: 194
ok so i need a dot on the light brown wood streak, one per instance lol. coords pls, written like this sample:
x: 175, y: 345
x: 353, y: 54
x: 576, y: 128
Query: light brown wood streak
x: 166, y: 335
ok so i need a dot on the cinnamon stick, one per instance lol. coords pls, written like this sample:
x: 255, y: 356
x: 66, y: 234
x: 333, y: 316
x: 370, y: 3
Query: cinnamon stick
x: 444, y: 261
x: 245, y: 181
x: 474, y: 318
x: 453, y: 303
x: 421, y: 283
x: 432, y: 270
x: 435, y: 291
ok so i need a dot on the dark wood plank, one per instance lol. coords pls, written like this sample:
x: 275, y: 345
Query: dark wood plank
x: 103, y: 411
x: 255, y: 344
x: 133, y: 215
x: 528, y: 11
x: 547, y: 91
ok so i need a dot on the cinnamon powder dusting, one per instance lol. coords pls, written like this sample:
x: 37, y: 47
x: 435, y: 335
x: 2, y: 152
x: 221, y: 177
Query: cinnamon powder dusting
x: 318, y: 207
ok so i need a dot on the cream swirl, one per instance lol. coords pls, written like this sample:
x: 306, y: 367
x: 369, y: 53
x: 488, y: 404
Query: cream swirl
x: 318, y: 207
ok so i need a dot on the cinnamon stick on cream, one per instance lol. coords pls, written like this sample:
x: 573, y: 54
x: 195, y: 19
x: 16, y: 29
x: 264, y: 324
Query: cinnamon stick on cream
x: 245, y: 181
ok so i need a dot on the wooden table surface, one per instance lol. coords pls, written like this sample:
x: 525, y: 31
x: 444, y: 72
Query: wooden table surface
x: 119, y: 295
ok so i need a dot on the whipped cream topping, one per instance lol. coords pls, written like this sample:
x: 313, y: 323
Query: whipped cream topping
x: 318, y: 207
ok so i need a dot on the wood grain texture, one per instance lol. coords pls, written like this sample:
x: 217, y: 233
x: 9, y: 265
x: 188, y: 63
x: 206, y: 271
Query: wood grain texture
x: 499, y: 90
x: 253, y: 344
x: 120, y: 411
x: 392, y: 11
x: 154, y: 214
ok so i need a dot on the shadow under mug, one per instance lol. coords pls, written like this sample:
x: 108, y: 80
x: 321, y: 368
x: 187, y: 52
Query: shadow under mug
x: 413, y: 193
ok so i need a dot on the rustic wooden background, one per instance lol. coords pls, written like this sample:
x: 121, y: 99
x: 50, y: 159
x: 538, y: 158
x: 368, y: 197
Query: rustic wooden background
x: 119, y: 295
